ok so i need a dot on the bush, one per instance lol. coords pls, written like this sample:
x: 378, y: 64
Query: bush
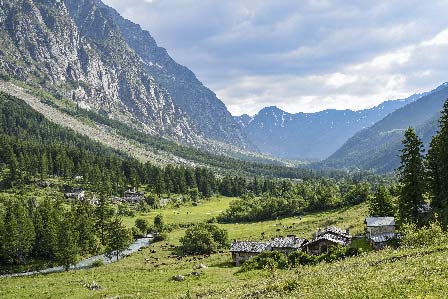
x: 425, y: 236
x: 142, y: 225
x: 160, y: 237
x: 268, y: 260
x: 204, y: 238
x: 97, y: 263
x: 298, y: 258
x: 136, y: 233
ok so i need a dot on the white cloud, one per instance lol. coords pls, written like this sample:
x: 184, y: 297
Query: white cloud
x: 302, y: 55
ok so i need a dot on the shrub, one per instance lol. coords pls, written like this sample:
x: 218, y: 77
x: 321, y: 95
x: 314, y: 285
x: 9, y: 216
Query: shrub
x: 97, y: 263
x: 425, y: 236
x: 160, y: 237
x: 268, y: 260
x: 204, y: 238
x: 298, y: 258
x: 142, y: 225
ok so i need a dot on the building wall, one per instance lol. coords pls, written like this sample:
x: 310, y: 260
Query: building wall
x: 376, y: 230
x: 319, y: 247
x: 241, y: 257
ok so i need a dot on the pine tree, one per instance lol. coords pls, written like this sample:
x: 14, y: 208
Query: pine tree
x: 381, y: 204
x: 19, y: 232
x: 437, y: 161
x: 118, y: 237
x: 67, y: 249
x: 43, y: 167
x: 103, y: 214
x: 411, y: 177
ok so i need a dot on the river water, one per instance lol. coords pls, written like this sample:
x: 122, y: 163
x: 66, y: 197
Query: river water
x: 84, y: 264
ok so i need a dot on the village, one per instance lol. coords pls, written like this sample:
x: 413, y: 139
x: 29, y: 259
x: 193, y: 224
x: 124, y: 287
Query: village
x: 378, y: 231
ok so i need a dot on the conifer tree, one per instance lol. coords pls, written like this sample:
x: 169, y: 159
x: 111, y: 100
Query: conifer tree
x: 381, y: 204
x: 103, y: 214
x: 19, y: 233
x: 411, y: 177
x: 118, y: 237
x: 67, y: 249
x: 437, y: 161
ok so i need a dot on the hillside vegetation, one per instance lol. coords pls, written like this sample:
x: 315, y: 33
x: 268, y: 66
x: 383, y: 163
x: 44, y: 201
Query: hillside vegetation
x: 404, y: 273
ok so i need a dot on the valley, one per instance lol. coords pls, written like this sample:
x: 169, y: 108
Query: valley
x: 112, y: 150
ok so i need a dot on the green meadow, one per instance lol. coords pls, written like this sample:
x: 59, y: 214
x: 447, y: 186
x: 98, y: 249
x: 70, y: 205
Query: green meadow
x: 405, y: 273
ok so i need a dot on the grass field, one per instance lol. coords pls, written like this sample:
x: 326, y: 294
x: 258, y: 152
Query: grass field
x: 410, y: 273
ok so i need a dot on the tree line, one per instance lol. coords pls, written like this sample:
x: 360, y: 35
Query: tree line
x: 47, y: 231
x: 423, y: 180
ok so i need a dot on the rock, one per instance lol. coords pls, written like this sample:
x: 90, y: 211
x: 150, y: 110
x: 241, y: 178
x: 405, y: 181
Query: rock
x: 200, y: 266
x: 93, y: 286
x: 196, y: 274
x: 179, y: 278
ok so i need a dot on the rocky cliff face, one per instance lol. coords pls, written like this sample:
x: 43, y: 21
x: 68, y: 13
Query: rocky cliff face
x: 83, y: 50
x: 200, y: 103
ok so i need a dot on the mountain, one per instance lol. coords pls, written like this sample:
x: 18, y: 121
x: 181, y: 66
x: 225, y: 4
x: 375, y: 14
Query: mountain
x: 84, y: 51
x: 310, y: 136
x: 377, y: 147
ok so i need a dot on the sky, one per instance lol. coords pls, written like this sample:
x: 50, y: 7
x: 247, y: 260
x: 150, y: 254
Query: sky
x: 302, y: 55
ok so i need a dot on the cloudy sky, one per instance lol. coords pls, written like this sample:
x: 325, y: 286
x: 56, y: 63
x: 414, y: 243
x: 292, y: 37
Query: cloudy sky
x: 302, y: 55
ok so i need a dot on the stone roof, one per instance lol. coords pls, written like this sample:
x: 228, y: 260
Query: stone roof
x: 288, y: 242
x: 380, y: 221
x: 332, y: 234
x: 337, y: 239
x: 250, y: 246
x: 332, y: 230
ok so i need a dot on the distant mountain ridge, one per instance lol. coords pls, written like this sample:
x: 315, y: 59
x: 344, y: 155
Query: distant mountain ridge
x: 310, y: 136
x: 84, y: 51
x: 377, y: 147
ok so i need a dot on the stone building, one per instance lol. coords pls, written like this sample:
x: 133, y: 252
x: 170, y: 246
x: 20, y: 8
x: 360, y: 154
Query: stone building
x: 244, y: 250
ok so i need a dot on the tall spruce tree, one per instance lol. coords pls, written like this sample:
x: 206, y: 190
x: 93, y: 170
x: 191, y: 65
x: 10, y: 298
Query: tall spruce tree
x: 67, y: 249
x: 437, y: 161
x: 411, y: 177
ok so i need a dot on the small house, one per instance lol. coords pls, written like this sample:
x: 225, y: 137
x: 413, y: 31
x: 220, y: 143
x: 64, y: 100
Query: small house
x: 244, y: 250
x: 75, y: 193
x: 288, y: 244
x: 324, y: 239
x: 379, y: 230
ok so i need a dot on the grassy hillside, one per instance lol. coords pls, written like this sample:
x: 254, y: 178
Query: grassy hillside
x: 410, y: 273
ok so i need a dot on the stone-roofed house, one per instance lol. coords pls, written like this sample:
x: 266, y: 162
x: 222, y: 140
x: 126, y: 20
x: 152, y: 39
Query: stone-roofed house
x: 74, y: 193
x: 288, y: 244
x: 244, y: 250
x: 379, y: 230
x: 324, y: 239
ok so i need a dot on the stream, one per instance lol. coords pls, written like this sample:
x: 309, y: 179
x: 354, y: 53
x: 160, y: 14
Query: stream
x: 86, y: 263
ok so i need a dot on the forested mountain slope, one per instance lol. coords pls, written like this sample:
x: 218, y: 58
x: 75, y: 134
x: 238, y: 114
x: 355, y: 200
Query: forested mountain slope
x: 312, y: 136
x: 377, y: 148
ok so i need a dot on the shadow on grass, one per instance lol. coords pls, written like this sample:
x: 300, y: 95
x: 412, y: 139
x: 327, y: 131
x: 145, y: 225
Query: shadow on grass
x: 224, y: 265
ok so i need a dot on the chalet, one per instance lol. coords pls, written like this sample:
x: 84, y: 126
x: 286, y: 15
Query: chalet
x: 379, y: 230
x: 131, y: 196
x: 75, y: 193
x: 324, y: 239
x: 244, y: 250
x: 287, y: 244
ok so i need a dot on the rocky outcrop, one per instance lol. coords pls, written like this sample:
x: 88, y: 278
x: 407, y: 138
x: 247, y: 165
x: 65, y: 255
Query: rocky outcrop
x: 81, y: 50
